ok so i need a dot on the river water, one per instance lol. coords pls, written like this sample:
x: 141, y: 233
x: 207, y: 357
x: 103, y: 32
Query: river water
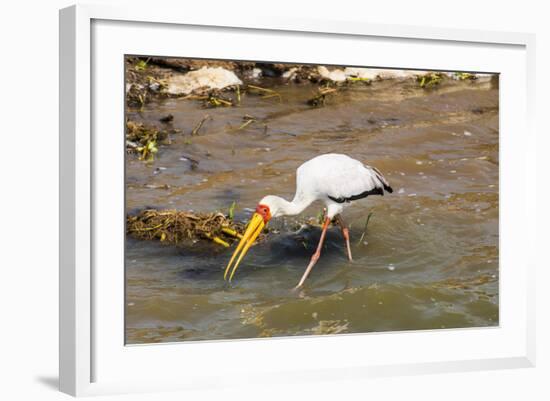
x: 429, y: 257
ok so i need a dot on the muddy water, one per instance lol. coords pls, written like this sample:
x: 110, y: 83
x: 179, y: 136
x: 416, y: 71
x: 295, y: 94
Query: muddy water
x: 428, y: 260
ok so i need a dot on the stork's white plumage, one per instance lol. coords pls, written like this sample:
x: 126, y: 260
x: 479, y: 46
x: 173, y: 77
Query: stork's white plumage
x: 335, y: 179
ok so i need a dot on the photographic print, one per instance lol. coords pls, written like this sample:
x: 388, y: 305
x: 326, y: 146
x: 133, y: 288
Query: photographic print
x: 269, y: 199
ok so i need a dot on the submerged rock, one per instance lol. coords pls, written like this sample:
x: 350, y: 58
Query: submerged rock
x: 205, y: 79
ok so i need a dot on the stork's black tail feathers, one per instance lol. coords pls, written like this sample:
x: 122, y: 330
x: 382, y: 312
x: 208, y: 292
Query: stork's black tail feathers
x: 384, y: 182
x: 377, y: 190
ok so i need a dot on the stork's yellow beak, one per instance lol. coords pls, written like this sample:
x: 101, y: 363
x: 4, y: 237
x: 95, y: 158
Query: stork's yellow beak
x: 254, y: 228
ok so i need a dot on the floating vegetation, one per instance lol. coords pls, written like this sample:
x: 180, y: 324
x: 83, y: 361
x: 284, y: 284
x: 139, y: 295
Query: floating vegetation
x: 430, y: 79
x: 141, y: 64
x: 264, y: 92
x: 148, y: 151
x: 364, y: 80
x: 184, y: 228
x: 143, y: 139
x: 199, y: 125
x: 144, y: 81
x: 231, y: 212
x: 152, y: 77
x: 320, y: 97
x: 238, y: 94
x: 156, y: 85
x: 136, y: 95
x: 464, y: 76
x: 365, y: 228
x: 186, y: 64
x: 215, y: 99
x: 248, y: 119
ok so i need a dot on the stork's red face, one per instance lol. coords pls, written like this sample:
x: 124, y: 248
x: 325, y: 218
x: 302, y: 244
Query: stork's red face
x: 253, y: 229
x: 263, y: 210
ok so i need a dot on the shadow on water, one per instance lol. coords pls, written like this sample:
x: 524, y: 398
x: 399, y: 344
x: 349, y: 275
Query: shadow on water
x: 205, y: 263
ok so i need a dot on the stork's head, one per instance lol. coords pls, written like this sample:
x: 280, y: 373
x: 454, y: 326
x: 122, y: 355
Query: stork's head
x: 273, y: 205
x: 269, y: 207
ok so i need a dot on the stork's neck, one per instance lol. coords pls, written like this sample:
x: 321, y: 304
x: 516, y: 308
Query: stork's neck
x: 295, y: 207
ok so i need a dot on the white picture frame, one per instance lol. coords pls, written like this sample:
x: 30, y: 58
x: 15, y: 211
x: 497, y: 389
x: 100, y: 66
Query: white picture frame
x: 87, y: 346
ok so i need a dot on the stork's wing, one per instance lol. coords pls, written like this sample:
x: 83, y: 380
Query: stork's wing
x: 357, y: 182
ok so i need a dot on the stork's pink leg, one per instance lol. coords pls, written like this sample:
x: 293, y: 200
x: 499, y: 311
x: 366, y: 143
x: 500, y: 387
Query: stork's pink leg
x: 317, y: 254
x: 345, y: 234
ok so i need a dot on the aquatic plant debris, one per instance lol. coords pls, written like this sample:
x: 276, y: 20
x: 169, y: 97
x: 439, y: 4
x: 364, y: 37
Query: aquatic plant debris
x: 214, y: 99
x: 141, y: 64
x: 248, y: 119
x: 264, y: 92
x: 430, y: 79
x: 144, y: 81
x: 320, y: 98
x: 199, y: 125
x: 184, y: 228
x: 143, y: 139
x: 464, y: 76
x: 231, y: 212
x: 153, y: 78
x: 365, y: 228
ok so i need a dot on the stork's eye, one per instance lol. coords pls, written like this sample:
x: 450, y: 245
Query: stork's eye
x: 263, y: 210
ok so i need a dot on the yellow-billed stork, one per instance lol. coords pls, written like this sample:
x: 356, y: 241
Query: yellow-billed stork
x: 335, y: 179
